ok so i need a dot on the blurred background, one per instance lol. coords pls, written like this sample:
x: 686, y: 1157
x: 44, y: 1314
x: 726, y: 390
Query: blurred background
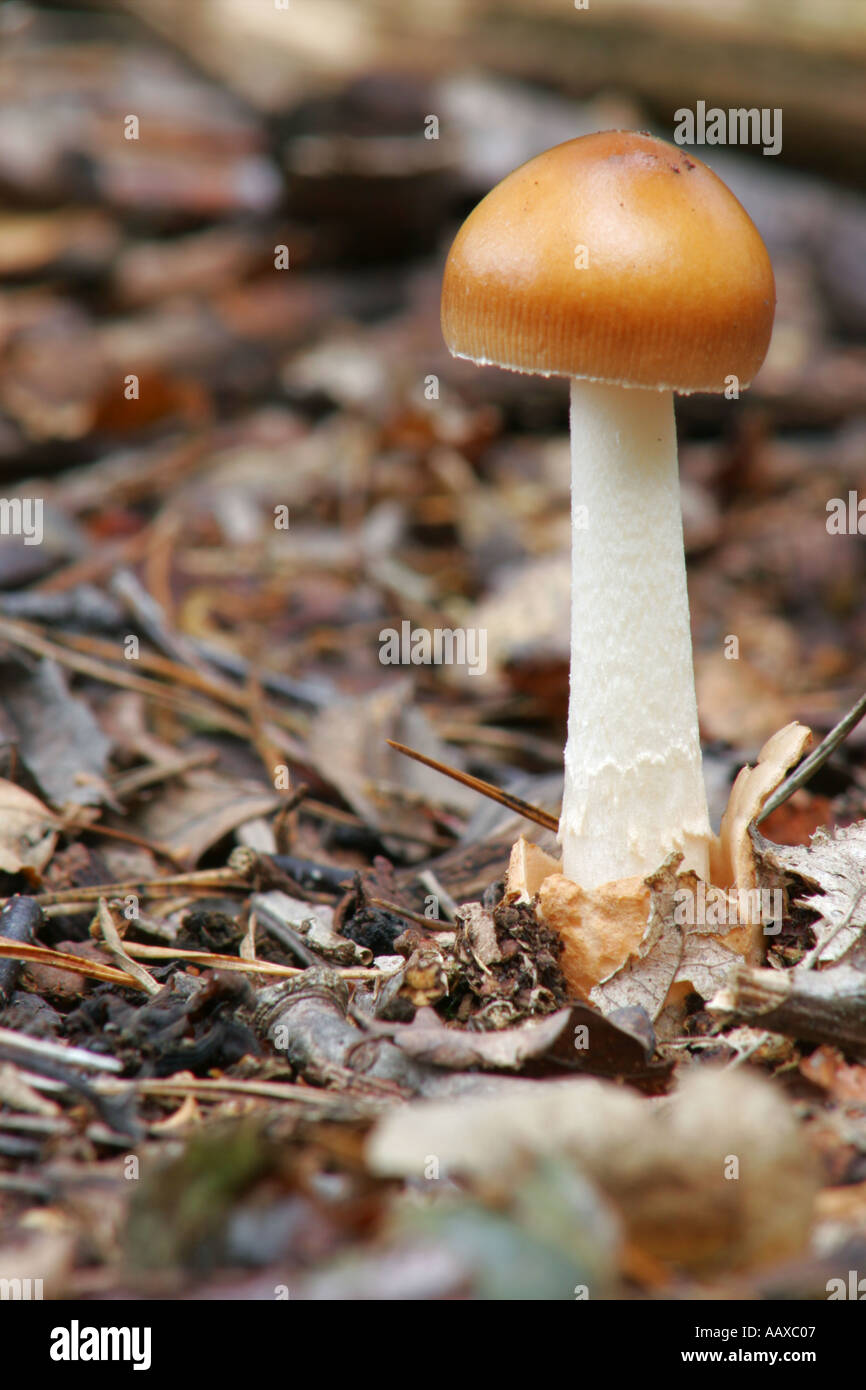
x: 246, y: 207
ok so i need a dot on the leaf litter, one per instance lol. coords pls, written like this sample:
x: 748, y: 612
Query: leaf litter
x: 315, y: 986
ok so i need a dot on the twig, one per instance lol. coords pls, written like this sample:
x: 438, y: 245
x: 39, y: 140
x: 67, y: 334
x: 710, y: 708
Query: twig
x: 744, y: 1053
x: 24, y: 636
x: 26, y: 1045
x: 431, y: 923
x: 20, y: 918
x: 315, y: 693
x: 246, y: 967
x: 212, y: 686
x: 815, y: 1005
x: 126, y: 783
x: 151, y: 618
x: 95, y: 827
x: 320, y: 810
x: 205, y: 1088
x: 113, y: 941
x: 428, y: 880
x: 224, y: 880
x: 263, y: 914
x: 815, y: 760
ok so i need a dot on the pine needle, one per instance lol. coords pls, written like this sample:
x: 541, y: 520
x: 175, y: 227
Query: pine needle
x: 514, y: 803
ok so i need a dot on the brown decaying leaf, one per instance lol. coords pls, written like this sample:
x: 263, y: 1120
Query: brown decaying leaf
x: 826, y: 1067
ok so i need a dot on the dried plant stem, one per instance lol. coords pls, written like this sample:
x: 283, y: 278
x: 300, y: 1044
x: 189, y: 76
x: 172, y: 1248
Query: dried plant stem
x: 514, y: 803
x: 58, y: 1052
x: 205, y: 1089
x: 199, y: 880
x: 245, y: 967
x: 78, y: 965
x: 431, y: 923
x: 807, y: 769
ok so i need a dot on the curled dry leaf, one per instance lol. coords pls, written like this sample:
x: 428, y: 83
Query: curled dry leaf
x: 627, y: 943
x: 576, y: 1038
x: 835, y: 864
x: 732, y: 857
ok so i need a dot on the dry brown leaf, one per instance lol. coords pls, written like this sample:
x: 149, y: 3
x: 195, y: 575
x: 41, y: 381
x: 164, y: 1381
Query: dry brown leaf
x: 826, y: 1067
x: 193, y: 814
x: 528, y: 611
x: 347, y: 745
x: 478, y: 935
x: 18, y: 1094
x: 600, y: 929
x: 737, y: 702
x: 624, y: 944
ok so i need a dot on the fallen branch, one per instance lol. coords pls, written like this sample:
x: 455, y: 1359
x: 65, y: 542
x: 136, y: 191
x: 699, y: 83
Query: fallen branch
x: 825, y: 1006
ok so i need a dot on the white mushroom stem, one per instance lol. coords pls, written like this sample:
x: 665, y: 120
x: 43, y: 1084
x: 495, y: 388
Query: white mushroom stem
x: 634, y: 788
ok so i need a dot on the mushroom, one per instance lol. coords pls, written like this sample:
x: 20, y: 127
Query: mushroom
x: 625, y: 264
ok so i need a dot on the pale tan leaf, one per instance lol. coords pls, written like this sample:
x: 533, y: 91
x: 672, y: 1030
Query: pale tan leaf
x: 732, y: 856
x: 28, y: 831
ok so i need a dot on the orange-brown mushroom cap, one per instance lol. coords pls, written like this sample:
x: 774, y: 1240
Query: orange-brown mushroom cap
x: 616, y: 257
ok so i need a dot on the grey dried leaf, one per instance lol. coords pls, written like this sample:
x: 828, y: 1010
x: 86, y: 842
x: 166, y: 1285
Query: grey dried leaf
x: 835, y: 863
x: 458, y: 1049
x: 57, y: 735
x: 477, y: 935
